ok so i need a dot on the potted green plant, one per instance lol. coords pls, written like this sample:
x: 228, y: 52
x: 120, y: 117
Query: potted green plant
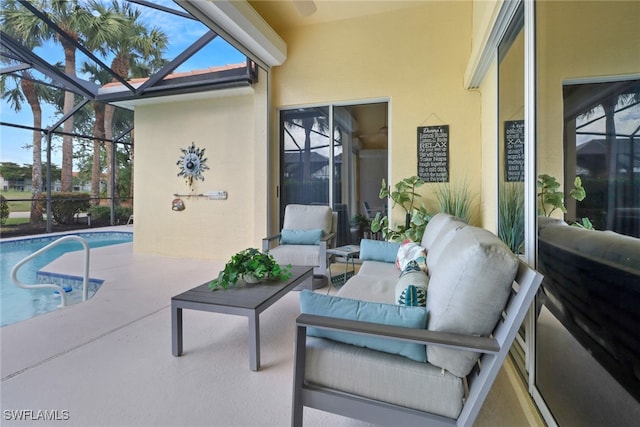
x: 360, y: 223
x: 455, y: 199
x: 250, y: 266
x: 416, y: 219
x: 551, y: 198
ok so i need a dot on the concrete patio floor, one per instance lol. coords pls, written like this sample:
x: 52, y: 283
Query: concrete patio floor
x: 108, y: 362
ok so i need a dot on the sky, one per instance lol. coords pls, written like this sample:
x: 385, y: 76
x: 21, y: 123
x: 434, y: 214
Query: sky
x: 181, y: 33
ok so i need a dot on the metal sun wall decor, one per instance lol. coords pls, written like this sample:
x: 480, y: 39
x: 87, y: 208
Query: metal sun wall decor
x: 191, y: 164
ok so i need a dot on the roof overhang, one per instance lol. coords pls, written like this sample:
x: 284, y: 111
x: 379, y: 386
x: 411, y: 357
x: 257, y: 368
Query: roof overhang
x: 240, y: 25
x: 131, y: 104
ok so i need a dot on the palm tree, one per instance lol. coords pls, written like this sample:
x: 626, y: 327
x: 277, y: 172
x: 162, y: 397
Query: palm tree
x: 102, y: 77
x: 72, y: 19
x: 17, y: 22
x: 135, y: 44
x: 308, y: 120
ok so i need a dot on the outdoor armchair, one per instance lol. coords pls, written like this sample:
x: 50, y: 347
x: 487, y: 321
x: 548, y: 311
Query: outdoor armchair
x: 307, y: 232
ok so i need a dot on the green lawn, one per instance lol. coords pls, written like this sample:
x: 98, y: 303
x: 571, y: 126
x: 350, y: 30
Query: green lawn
x: 21, y: 206
x: 17, y: 221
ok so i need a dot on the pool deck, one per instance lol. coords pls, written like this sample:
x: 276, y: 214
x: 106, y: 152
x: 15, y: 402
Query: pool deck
x: 108, y: 362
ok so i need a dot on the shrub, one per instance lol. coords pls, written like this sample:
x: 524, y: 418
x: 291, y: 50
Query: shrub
x: 122, y: 214
x: 4, y: 210
x: 103, y: 213
x: 100, y: 213
x: 66, y: 205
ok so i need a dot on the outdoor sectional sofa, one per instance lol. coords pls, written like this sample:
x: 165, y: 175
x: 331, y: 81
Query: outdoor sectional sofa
x: 429, y: 372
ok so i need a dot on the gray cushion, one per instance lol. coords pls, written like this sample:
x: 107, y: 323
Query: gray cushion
x: 467, y: 292
x: 608, y: 245
x: 307, y: 217
x: 447, y: 233
x: 439, y: 224
x: 297, y: 254
x: 336, y: 365
x: 370, y: 288
x: 378, y: 269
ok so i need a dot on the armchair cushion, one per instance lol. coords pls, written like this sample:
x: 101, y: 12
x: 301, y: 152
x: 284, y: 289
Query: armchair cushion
x: 301, y: 237
x: 351, y: 309
x: 308, y: 217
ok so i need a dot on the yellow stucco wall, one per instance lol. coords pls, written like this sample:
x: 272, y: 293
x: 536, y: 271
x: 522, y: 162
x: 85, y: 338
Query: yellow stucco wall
x: 232, y: 130
x: 489, y: 137
x: 575, y: 41
x: 414, y: 57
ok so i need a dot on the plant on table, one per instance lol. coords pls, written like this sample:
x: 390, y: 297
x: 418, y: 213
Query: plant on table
x: 250, y: 263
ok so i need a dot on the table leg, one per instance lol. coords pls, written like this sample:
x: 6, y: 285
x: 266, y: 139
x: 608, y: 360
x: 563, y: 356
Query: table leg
x: 254, y: 341
x: 176, y: 330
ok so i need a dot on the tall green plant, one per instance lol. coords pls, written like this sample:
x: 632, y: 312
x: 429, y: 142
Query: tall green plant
x: 455, y: 199
x: 511, y: 211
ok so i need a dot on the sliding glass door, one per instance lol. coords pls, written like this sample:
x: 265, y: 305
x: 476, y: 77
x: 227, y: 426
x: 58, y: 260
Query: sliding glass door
x: 323, y: 152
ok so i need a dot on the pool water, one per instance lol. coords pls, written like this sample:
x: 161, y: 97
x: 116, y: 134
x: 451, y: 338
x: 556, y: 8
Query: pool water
x: 18, y: 304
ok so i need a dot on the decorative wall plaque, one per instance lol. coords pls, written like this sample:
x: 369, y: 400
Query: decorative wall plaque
x: 433, y: 153
x: 514, y: 151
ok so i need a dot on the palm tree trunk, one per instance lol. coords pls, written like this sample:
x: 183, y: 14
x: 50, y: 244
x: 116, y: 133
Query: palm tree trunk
x: 112, y: 175
x: 131, y: 163
x: 98, y: 134
x: 66, y: 179
x: 36, y: 169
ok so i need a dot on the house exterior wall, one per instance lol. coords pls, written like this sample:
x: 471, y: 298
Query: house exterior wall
x: 232, y: 130
x: 414, y: 57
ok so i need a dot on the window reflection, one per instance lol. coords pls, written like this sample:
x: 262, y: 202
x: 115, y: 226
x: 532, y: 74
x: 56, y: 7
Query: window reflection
x: 602, y: 141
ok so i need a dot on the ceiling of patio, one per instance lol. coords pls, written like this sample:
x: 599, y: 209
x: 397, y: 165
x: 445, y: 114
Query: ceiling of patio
x: 192, y: 45
x: 284, y: 14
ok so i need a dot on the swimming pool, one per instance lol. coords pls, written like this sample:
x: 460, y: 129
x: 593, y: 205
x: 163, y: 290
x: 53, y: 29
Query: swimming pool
x: 18, y: 304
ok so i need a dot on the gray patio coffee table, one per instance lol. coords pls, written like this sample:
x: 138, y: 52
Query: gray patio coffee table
x: 241, y: 300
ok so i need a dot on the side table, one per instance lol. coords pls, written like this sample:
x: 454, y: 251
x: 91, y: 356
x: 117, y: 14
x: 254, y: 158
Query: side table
x: 348, y: 252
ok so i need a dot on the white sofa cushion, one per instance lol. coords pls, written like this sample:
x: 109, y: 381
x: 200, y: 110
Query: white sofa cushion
x: 307, y: 217
x: 370, y: 288
x: 297, y: 254
x: 333, y: 364
x: 438, y: 225
x: 468, y: 290
x: 377, y: 269
x: 375, y: 282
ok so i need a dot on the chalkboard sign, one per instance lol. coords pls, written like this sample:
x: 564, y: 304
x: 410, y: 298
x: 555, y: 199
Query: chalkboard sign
x: 514, y: 151
x: 433, y: 153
